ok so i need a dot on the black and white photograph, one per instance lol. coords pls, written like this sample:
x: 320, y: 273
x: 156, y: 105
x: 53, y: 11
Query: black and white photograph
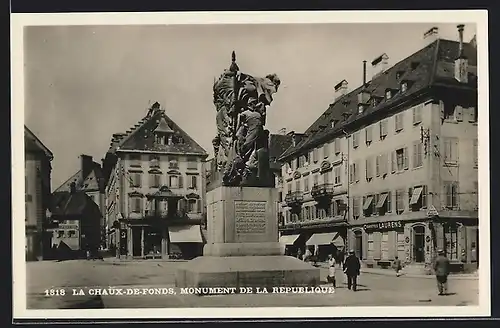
x: 318, y: 164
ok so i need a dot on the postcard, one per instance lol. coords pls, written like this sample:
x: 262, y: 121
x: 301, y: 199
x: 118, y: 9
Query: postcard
x: 250, y: 165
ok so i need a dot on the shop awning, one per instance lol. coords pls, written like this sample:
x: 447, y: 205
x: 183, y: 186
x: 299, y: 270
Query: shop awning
x: 416, y: 195
x: 185, y: 234
x: 368, y: 202
x: 326, y: 239
x: 381, y: 200
x: 288, y: 239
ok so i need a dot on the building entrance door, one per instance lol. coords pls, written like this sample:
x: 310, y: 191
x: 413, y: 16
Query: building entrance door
x: 136, y: 241
x: 419, y: 244
x: 359, y: 244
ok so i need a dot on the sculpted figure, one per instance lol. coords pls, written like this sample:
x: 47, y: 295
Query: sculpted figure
x: 242, y: 143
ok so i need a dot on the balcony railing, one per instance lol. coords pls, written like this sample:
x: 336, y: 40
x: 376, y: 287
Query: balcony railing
x: 324, y: 190
x: 294, y: 198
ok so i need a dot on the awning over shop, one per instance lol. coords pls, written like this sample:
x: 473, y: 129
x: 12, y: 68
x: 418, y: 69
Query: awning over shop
x: 368, y: 202
x: 416, y: 195
x: 326, y: 239
x: 288, y: 239
x: 381, y: 200
x: 185, y: 234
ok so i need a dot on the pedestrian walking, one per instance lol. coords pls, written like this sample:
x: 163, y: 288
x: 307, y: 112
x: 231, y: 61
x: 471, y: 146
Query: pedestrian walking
x: 299, y: 254
x: 352, y: 267
x: 442, y: 270
x: 307, y: 255
x: 397, y: 266
x: 331, y: 270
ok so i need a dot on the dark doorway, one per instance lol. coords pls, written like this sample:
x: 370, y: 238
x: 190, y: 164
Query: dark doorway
x: 419, y: 244
x: 123, y: 242
x: 136, y: 241
x: 358, y: 244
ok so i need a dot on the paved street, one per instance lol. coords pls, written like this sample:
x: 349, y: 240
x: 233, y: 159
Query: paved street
x: 374, y: 289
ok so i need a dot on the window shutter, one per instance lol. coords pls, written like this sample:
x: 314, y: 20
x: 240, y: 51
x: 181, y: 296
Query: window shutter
x: 377, y: 165
x: 410, y: 193
x: 139, y: 179
x: 367, y: 166
x: 455, y: 149
x: 389, y: 201
x: 415, y: 154
x: 424, y: 196
x: 181, y: 182
x: 393, y: 161
x: 405, y: 153
x: 151, y: 180
x: 356, y: 171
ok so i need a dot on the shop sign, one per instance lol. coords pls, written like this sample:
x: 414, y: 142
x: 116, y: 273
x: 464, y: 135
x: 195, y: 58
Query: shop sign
x: 68, y: 226
x: 383, y: 225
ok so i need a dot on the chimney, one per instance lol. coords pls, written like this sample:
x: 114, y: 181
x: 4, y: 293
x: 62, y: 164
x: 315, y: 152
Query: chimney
x: 461, y: 63
x: 379, y: 65
x: 431, y: 35
x: 294, y: 137
x: 86, y: 165
x: 340, y: 89
x: 282, y: 131
x: 72, y: 187
x: 364, y: 72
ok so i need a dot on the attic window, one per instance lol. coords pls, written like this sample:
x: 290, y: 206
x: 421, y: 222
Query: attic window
x: 388, y: 94
x: 399, y: 74
x: 375, y: 102
x: 404, y: 87
x: 333, y: 123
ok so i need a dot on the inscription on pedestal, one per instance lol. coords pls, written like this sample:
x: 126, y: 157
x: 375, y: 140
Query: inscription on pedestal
x: 250, y: 217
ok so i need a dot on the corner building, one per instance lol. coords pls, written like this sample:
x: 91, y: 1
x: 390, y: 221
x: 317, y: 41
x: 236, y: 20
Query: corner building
x: 410, y: 138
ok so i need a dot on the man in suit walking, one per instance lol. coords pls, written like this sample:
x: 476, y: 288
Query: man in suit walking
x: 442, y: 270
x: 352, y: 267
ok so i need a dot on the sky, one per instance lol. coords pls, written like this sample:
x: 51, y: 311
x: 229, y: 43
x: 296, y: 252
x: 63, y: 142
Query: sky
x: 84, y: 83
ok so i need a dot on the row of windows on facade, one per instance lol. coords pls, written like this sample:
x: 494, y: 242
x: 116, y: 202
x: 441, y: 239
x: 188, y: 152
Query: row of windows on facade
x: 456, y: 116
x: 378, y: 245
x: 336, y: 180
x: 155, y: 181
x: 155, y: 160
x: 313, y: 212
x: 67, y: 233
x: 189, y: 205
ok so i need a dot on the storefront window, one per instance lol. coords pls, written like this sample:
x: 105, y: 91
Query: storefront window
x: 384, y: 245
x: 371, y: 247
x: 451, y: 241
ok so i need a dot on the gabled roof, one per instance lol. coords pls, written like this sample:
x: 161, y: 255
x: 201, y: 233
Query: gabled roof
x: 278, y: 143
x: 141, y: 137
x: 33, y: 144
x: 90, y: 182
x: 430, y: 66
x: 64, y: 203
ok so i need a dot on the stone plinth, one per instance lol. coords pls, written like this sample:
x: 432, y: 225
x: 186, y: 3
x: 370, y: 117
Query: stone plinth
x: 243, y: 248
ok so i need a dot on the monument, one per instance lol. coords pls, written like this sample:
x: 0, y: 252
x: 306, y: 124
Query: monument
x: 242, y: 223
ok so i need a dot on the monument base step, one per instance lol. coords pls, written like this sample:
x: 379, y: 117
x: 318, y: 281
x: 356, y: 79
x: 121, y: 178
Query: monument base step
x: 247, y: 271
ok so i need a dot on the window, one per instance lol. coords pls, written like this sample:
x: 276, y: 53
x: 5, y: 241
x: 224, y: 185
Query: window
x: 451, y: 192
x: 315, y: 155
x: 337, y: 172
x: 337, y: 146
x: 315, y: 180
x: 388, y: 94
x: 194, y: 182
x: 369, y: 169
x: 451, y: 241
x: 173, y: 164
x: 154, y: 161
x: 417, y: 198
x: 383, y: 129
x: 192, y: 205
x: 353, y: 172
x: 398, y: 122
x: 326, y: 177
x: 60, y: 233
x: 417, y: 114
x: 384, y: 245
x: 472, y: 114
x: 355, y: 139
x: 459, y: 114
x: 289, y: 187
x: 475, y: 152
x: 306, y: 184
x: 371, y: 248
x: 154, y: 180
x: 326, y: 150
x: 404, y: 87
x: 368, y: 205
x: 192, y: 163
x: 401, y: 245
x: 450, y: 150
x: 135, y: 160
x: 297, y: 185
x: 71, y: 233
x: 400, y: 205
x: 355, y: 207
x: 136, y: 204
x: 368, y: 135
x: 301, y: 161
x: 135, y: 180
x: 383, y: 203
x: 173, y: 181
x: 377, y: 165
x: 418, y: 156
x: 400, y: 159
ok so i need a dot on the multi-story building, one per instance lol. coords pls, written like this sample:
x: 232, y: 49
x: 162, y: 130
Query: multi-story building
x: 409, y: 136
x: 89, y: 179
x: 155, y: 189
x: 37, y: 170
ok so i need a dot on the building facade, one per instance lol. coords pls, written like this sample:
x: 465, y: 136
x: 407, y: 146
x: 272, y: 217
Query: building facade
x: 155, y: 187
x: 37, y: 170
x: 408, y: 140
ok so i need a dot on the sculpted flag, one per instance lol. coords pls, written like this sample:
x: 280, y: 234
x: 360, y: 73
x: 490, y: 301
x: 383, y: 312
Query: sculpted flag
x: 241, y: 144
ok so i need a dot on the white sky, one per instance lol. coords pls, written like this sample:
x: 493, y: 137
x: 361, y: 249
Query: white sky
x: 84, y: 83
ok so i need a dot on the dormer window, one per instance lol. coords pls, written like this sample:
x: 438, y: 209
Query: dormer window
x: 388, y: 94
x: 333, y: 123
x: 361, y: 108
x: 404, y: 87
x: 399, y: 74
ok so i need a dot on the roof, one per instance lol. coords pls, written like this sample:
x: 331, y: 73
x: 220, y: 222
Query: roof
x: 278, y: 143
x: 89, y: 182
x: 431, y: 66
x: 33, y: 144
x: 141, y: 137
x: 64, y: 203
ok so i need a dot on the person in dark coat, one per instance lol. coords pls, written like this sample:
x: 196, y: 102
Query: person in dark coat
x: 442, y: 270
x: 352, y: 267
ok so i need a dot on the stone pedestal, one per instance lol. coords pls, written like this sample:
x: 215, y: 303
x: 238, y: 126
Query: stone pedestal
x: 243, y: 248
